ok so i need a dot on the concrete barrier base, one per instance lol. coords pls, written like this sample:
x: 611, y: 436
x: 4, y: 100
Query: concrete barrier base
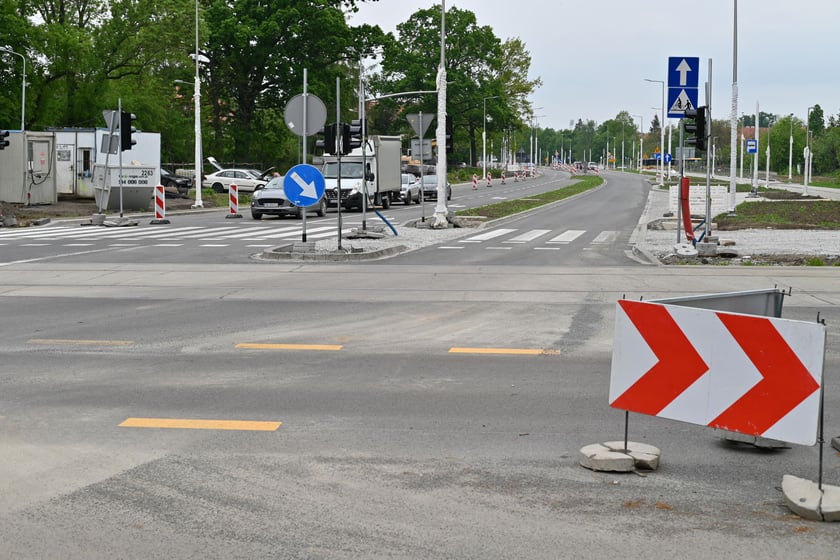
x: 613, y: 457
x: 805, y: 499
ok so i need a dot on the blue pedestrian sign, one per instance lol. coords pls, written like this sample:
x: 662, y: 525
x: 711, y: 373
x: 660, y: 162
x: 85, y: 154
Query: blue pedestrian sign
x: 683, y: 80
x: 752, y: 146
x: 304, y: 185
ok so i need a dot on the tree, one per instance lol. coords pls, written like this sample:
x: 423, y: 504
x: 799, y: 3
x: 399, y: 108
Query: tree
x: 480, y: 68
x: 258, y: 51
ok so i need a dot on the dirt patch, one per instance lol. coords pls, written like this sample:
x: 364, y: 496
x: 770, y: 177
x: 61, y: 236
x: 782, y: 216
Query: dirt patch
x: 75, y: 207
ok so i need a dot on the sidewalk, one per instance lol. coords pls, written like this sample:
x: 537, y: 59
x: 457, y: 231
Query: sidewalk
x: 660, y: 243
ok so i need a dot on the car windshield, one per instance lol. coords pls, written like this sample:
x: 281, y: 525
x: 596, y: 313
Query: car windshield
x: 349, y: 170
x: 430, y: 179
x: 275, y: 183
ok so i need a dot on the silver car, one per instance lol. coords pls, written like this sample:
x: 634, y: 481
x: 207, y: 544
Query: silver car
x: 409, y: 189
x: 430, y: 188
x: 271, y: 200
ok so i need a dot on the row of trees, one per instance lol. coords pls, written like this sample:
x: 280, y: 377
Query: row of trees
x: 588, y: 139
x: 82, y: 55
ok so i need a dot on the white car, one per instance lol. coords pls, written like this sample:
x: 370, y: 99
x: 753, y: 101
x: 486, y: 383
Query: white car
x: 247, y: 180
x: 409, y: 189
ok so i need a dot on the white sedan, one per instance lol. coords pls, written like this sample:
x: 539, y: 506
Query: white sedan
x: 245, y: 179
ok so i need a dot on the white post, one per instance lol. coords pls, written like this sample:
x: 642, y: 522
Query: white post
x: 197, y: 96
x: 440, y: 219
x: 790, y: 151
x: 733, y: 118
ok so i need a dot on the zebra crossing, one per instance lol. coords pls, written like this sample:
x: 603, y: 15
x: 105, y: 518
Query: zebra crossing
x: 221, y: 236
x: 262, y: 235
x: 541, y: 239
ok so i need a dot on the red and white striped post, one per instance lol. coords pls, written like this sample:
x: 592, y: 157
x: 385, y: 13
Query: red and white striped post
x: 160, y: 206
x: 233, y: 198
x: 489, y: 180
x: 475, y: 181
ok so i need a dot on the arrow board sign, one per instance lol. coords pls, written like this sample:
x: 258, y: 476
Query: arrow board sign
x: 304, y: 185
x: 753, y: 375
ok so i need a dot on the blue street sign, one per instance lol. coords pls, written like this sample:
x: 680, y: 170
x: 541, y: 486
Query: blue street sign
x: 683, y: 79
x: 657, y: 156
x: 752, y: 146
x: 304, y: 185
x: 668, y: 158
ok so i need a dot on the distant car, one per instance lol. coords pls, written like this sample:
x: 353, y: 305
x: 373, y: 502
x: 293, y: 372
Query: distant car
x: 430, y: 188
x: 271, y: 200
x: 246, y: 180
x: 169, y: 179
x: 593, y: 166
x: 409, y: 189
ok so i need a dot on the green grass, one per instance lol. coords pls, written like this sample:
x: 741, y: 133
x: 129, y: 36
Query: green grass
x: 783, y: 214
x: 509, y: 207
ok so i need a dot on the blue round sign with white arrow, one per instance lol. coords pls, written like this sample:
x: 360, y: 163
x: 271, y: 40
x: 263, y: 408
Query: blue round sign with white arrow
x: 304, y: 185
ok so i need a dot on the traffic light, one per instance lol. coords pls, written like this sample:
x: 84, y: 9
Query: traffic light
x: 695, y: 125
x: 4, y: 134
x: 328, y: 143
x: 450, y: 145
x: 126, y: 130
x: 354, y: 135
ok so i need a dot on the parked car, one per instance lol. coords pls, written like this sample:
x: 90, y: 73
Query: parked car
x: 247, y: 180
x: 169, y: 179
x: 409, y: 189
x: 430, y: 188
x: 270, y: 199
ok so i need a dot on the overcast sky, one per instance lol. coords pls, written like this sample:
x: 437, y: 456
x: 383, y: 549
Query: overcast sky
x: 593, y: 55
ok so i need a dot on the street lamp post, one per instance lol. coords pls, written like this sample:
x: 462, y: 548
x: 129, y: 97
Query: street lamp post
x: 22, y: 87
x: 197, y: 95
x: 790, y: 150
x: 661, y: 167
x: 641, y: 140
x: 484, y: 138
x: 807, y: 151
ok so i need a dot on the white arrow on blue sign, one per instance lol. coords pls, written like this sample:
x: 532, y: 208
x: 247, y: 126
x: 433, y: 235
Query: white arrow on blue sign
x: 683, y: 79
x: 304, y: 185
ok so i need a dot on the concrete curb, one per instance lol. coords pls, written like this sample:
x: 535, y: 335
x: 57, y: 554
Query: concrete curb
x: 288, y: 253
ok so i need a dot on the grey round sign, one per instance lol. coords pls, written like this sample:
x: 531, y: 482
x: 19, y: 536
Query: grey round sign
x: 316, y: 114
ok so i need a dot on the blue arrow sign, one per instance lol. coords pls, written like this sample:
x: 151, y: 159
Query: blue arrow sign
x: 304, y: 185
x: 683, y: 78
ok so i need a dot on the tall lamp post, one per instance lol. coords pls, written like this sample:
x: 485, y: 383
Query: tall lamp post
x: 199, y: 59
x: 641, y: 139
x: 484, y: 138
x: 790, y: 150
x: 661, y: 166
x: 807, y: 151
x: 22, y: 87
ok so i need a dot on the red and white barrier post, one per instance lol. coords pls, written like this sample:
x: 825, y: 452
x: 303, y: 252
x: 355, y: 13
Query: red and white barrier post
x: 233, y: 197
x: 489, y: 180
x: 160, y: 206
x: 503, y: 176
x: 475, y: 181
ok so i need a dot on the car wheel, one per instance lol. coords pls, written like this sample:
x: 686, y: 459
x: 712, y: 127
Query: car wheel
x: 386, y: 201
x: 299, y: 213
x: 218, y: 187
x: 407, y: 199
x: 322, y: 208
x: 256, y: 215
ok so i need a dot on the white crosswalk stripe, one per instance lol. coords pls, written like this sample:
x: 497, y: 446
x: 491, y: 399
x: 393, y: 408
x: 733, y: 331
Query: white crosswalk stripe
x: 492, y: 234
x: 567, y: 236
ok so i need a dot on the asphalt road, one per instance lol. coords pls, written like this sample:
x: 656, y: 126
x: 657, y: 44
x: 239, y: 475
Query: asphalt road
x: 380, y: 425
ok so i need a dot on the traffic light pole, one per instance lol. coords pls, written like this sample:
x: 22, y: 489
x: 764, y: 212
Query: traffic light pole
x: 119, y: 112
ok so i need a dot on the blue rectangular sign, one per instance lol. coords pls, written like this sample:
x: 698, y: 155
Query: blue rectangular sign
x: 683, y: 79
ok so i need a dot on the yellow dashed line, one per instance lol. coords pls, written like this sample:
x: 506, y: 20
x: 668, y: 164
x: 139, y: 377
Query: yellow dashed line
x: 323, y: 347
x: 509, y: 351
x: 188, y: 424
x: 80, y: 342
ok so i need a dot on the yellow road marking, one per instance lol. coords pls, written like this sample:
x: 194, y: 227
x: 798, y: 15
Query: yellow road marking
x: 512, y: 351
x: 80, y: 342
x: 189, y: 424
x: 256, y: 346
